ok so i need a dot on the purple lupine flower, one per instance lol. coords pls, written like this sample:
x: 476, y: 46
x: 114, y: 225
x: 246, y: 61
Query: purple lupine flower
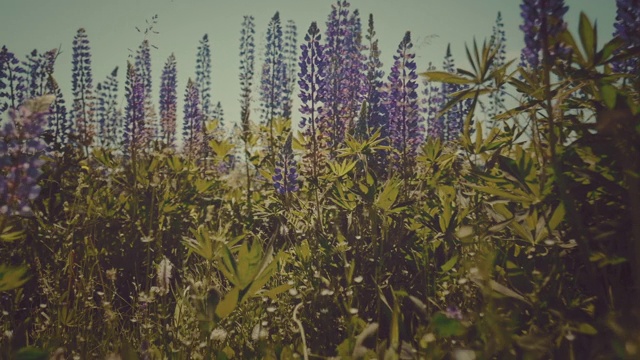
x: 12, y: 80
x: 192, y: 120
x: 285, y: 178
x: 59, y: 126
x: 455, y: 116
x: 312, y: 74
x: 134, y: 133
x: 247, y: 53
x: 273, y: 71
x: 168, y: 101
x: 289, y: 54
x: 499, y: 44
x: 38, y: 68
x: 543, y: 20
x: 375, y: 74
x: 203, y: 78
x: 107, y: 110
x: 143, y: 68
x: 82, y: 113
x: 344, y: 88
x: 433, y: 102
x: 20, y: 150
x: 627, y: 27
x: 405, y: 121
x: 218, y: 113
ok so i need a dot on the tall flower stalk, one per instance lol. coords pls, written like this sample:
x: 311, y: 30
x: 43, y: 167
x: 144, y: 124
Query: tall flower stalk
x: 107, y: 110
x: 312, y: 75
x: 168, y: 102
x: 247, y: 58
x: 290, y: 55
x: 273, y: 81
x: 543, y: 21
x: 83, y: 110
x: 12, y: 81
x: 192, y: 121
x: 405, y: 121
x: 135, y: 129
x: 627, y: 27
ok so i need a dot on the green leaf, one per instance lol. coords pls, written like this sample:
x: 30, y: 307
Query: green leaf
x: 587, y: 37
x: 609, y: 95
x: 12, y: 277
x: 388, y: 196
x: 585, y: 328
x: 449, y: 264
x: 228, y: 303
x: 446, y: 77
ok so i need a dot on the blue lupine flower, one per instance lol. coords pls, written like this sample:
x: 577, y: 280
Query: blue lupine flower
x: 627, y: 27
x: 285, y: 178
x: 405, y: 121
x: 83, y: 110
x: 541, y: 18
x: 168, y: 101
x: 247, y: 52
x: 20, y: 149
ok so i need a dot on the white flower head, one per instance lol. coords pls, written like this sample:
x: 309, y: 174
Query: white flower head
x: 218, y: 334
x: 164, y: 275
x: 259, y: 332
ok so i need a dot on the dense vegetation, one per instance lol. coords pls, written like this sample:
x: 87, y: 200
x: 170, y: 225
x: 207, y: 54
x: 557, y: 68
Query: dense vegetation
x: 399, y: 220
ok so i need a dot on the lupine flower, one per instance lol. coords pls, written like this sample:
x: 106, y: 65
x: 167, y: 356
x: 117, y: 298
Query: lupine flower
x: 134, y: 129
x: 498, y: 41
x: 107, y: 110
x: 447, y: 127
x: 20, y: 150
x: 143, y: 68
x: 376, y: 117
x: 192, y: 120
x: 59, y: 126
x: 247, y: 53
x: 82, y: 112
x: 405, y: 129
x: 289, y: 54
x: 433, y: 102
x: 344, y: 88
x: 168, y: 101
x: 38, y: 67
x: 203, y: 75
x: 285, y: 179
x: 375, y: 74
x: 543, y: 20
x: 164, y: 275
x: 312, y: 73
x: 627, y: 27
x: 12, y: 80
x: 273, y: 72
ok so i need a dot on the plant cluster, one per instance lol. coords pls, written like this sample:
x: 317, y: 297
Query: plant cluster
x: 394, y: 223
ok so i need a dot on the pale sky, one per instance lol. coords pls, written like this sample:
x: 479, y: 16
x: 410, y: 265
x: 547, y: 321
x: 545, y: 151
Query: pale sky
x: 110, y: 24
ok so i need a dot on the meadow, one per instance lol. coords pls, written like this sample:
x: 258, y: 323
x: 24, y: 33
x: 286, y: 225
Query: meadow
x: 487, y: 208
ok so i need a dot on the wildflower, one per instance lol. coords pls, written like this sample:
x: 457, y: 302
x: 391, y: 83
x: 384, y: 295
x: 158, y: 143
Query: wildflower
x: 543, y: 20
x: 259, y: 333
x: 285, y: 179
x: 168, y: 101
x: 218, y: 334
x: 402, y: 104
x: 627, y: 27
x: 453, y: 312
x: 164, y: 275
x: 20, y: 149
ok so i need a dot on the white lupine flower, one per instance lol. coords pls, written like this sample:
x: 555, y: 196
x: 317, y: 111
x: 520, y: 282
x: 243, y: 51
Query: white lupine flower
x: 164, y: 275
